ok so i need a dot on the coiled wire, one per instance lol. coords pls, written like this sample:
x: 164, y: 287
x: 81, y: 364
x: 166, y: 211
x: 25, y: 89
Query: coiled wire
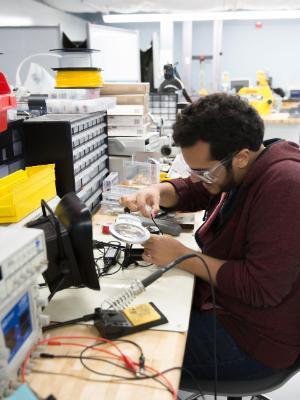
x: 122, y: 301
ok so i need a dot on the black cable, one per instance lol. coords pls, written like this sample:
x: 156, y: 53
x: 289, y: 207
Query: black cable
x: 87, y: 317
x: 200, y: 393
x: 81, y: 358
x: 49, y: 355
x: 69, y: 356
x: 132, y: 343
x: 159, y: 230
x: 212, y: 289
x: 157, y: 274
x: 103, y: 247
x: 153, y: 376
x: 148, y: 281
x: 100, y: 245
x: 102, y: 274
x: 144, y: 266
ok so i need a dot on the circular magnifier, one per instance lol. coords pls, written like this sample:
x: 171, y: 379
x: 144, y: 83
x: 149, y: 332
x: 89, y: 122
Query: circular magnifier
x: 128, y: 228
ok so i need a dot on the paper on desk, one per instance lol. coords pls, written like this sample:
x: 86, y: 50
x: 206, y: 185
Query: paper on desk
x: 172, y: 294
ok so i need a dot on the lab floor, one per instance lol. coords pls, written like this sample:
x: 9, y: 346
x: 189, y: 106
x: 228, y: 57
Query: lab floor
x: 289, y: 391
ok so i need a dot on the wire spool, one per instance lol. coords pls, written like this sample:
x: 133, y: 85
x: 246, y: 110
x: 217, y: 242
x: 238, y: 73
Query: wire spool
x: 67, y: 78
x: 77, y: 70
x: 76, y: 57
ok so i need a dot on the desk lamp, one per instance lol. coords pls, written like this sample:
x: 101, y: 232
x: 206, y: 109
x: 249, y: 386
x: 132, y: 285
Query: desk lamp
x: 20, y: 89
x: 172, y: 82
x: 118, y: 320
x: 128, y: 228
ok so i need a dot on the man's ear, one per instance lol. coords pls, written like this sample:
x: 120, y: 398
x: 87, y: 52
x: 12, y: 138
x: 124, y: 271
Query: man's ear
x: 242, y: 159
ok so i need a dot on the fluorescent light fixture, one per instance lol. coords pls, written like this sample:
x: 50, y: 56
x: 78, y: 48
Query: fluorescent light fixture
x: 15, y: 21
x: 205, y: 16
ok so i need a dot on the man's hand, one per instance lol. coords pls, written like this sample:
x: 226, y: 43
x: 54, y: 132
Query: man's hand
x: 146, y: 201
x: 161, y: 250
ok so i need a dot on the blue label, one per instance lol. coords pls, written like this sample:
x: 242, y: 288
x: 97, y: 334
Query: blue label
x: 17, y: 326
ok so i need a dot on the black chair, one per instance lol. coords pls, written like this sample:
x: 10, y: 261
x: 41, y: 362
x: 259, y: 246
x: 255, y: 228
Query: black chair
x: 236, y: 390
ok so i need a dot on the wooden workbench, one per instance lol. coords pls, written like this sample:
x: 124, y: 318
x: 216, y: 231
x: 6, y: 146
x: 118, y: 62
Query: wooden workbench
x: 163, y: 347
x: 66, y: 379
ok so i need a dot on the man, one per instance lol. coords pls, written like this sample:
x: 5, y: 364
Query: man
x: 250, y: 239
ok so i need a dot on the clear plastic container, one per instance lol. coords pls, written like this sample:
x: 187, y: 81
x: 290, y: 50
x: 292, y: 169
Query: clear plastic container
x: 111, y: 208
x: 74, y: 94
x: 140, y: 173
x: 110, y: 198
x: 111, y: 180
x: 68, y: 106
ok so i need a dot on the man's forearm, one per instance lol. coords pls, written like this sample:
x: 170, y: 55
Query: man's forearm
x: 196, y: 266
x: 168, y: 195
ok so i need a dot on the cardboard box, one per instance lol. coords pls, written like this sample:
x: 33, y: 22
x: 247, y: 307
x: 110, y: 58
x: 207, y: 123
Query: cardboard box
x: 132, y: 99
x: 127, y: 130
x: 127, y: 99
x: 126, y: 110
x: 126, y: 88
x: 126, y: 120
x: 126, y: 146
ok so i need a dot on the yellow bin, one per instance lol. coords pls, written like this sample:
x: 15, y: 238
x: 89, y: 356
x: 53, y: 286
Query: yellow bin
x: 22, y: 191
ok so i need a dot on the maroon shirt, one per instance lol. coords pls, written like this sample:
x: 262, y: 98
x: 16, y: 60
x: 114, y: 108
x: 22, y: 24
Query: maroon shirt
x: 258, y: 287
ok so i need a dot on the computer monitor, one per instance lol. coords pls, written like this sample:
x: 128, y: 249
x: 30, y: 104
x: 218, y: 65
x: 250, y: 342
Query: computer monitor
x: 69, y: 242
x: 237, y: 84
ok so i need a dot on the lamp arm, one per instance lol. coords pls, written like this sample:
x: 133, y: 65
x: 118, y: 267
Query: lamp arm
x: 18, y: 79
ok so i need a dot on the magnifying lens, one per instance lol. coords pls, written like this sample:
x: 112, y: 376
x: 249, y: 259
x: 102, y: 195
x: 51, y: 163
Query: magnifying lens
x: 128, y: 228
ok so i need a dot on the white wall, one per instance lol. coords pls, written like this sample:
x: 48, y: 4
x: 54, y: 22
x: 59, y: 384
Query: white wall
x: 145, y: 31
x: 202, y: 45
x: 17, y: 46
x: 274, y: 48
x: 38, y: 14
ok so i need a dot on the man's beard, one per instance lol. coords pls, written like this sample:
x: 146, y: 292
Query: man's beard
x: 226, y: 187
x: 230, y: 183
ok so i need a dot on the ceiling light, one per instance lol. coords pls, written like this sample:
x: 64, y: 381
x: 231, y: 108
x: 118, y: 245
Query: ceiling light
x: 15, y: 21
x: 205, y: 16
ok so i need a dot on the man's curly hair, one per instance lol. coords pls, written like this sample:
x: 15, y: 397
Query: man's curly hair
x: 227, y: 122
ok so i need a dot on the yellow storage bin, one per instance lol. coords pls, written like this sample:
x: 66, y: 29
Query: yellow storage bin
x: 22, y: 191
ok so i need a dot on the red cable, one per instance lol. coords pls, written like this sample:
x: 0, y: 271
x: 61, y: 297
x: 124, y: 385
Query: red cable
x: 127, y: 361
x: 130, y: 364
x: 50, y: 343
x: 54, y: 338
x: 169, y: 384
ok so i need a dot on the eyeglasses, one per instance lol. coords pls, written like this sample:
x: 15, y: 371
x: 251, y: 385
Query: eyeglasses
x: 208, y: 175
